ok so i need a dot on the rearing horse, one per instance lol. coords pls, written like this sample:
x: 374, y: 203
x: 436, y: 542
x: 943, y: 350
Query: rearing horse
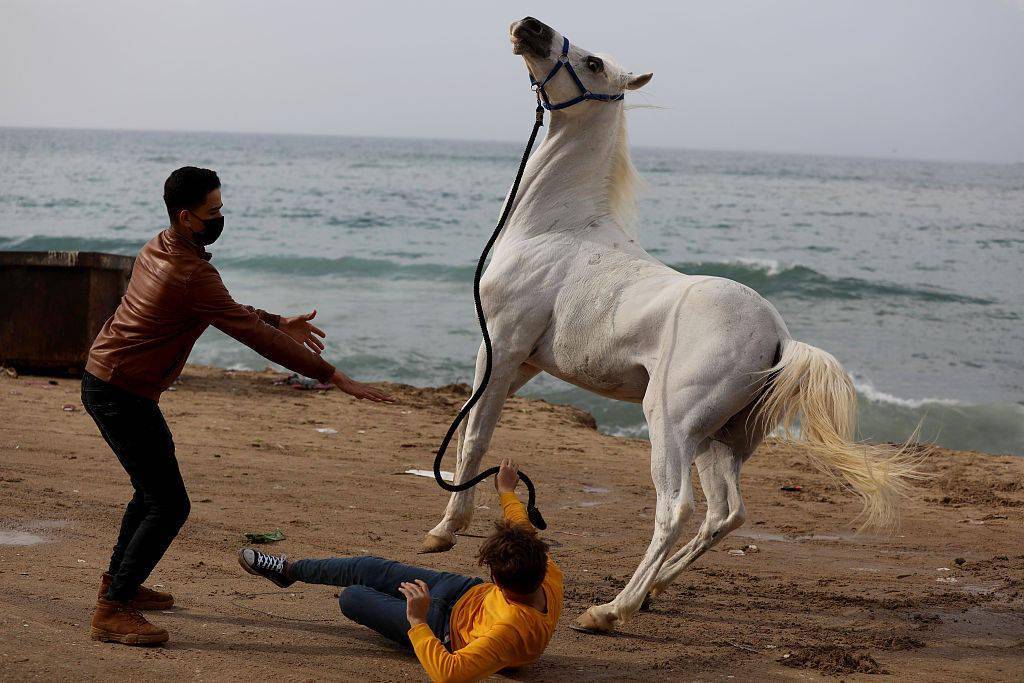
x: 569, y: 292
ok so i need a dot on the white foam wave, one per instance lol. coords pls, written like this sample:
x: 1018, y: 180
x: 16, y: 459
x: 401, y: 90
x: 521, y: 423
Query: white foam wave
x: 868, y: 391
x: 771, y: 267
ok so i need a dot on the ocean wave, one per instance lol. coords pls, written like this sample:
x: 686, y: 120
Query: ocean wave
x: 767, y: 276
x: 349, y: 266
x: 996, y: 427
x: 870, y: 393
x: 366, y: 220
x: 113, y: 245
x: 770, y: 278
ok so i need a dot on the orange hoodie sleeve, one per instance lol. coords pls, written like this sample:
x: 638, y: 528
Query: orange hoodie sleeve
x: 515, y: 512
x: 486, y: 655
x: 514, y: 509
x: 210, y: 301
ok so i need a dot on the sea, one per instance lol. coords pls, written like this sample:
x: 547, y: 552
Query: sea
x: 909, y: 272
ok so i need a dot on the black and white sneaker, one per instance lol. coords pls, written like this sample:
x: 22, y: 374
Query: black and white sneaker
x: 268, y: 566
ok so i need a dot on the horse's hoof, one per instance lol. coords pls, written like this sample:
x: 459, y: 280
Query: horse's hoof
x: 593, y: 622
x: 437, y: 544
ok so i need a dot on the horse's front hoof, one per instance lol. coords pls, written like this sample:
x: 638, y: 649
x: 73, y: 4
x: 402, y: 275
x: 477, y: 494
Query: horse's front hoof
x: 433, y: 543
x: 593, y: 621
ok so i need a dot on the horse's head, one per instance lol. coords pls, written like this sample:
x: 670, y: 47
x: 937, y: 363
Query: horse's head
x: 600, y: 78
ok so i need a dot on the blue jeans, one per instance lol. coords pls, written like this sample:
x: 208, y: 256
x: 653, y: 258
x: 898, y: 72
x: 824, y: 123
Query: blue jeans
x: 371, y: 596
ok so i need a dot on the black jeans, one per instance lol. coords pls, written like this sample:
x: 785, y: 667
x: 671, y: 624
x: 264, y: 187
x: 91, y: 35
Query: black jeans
x: 371, y: 596
x: 135, y: 430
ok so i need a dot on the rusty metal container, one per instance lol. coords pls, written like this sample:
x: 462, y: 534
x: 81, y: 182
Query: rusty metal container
x: 53, y: 303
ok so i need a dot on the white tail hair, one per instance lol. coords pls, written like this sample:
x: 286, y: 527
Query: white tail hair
x: 810, y: 385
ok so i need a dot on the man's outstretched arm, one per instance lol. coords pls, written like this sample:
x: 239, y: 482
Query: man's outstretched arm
x: 297, y: 327
x: 212, y: 302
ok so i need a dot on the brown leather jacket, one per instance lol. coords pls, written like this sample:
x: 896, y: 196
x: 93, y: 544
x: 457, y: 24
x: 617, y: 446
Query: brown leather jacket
x: 173, y: 295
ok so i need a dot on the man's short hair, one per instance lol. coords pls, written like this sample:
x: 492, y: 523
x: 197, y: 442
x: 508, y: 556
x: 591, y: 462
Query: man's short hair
x: 516, y: 556
x: 186, y: 189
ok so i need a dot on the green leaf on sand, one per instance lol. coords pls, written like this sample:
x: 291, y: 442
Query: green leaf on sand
x: 265, y: 536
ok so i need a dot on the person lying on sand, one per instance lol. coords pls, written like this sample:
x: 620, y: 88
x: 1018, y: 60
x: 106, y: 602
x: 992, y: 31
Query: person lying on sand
x: 174, y: 294
x: 460, y: 627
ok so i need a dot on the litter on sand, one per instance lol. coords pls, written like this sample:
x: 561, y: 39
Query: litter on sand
x: 326, y: 430
x: 296, y: 381
x: 264, y: 536
x: 792, y: 488
x: 737, y: 552
x: 986, y: 518
x: 447, y: 476
x: 68, y: 408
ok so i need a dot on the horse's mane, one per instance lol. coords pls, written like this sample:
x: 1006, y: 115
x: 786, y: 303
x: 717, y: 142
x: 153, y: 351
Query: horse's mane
x: 623, y: 182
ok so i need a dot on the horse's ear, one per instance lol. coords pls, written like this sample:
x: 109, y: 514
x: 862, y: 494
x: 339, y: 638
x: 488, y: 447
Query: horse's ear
x: 636, y: 82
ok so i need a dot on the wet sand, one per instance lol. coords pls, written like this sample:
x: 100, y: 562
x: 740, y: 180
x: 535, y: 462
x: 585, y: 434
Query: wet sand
x: 943, y: 599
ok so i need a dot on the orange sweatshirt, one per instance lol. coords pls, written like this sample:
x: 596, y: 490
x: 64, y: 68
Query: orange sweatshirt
x: 488, y: 632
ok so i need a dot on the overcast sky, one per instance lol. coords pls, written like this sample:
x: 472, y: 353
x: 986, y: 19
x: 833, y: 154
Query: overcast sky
x: 921, y: 79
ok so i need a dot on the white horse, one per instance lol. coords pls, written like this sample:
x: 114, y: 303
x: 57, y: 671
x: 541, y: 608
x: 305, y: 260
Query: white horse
x: 569, y: 292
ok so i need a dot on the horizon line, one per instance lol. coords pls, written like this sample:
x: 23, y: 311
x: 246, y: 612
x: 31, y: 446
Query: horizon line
x: 776, y: 152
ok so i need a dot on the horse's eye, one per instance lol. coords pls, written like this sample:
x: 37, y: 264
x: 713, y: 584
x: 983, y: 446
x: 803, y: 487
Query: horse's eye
x: 595, y: 64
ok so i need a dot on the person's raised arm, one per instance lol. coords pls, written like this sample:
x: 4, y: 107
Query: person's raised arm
x: 505, y: 482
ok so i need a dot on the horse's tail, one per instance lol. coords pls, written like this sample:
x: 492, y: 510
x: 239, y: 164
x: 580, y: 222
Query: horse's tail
x: 810, y: 385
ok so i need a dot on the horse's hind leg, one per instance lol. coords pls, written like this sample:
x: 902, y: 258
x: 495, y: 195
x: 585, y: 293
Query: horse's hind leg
x: 674, y: 445
x: 719, y: 471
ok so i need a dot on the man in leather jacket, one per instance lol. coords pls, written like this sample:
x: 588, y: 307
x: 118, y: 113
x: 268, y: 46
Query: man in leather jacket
x: 174, y: 294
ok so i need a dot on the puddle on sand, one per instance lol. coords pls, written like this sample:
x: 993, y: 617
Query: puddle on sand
x: 595, y: 489
x: 766, y: 536
x: 19, y: 538
x: 759, y: 535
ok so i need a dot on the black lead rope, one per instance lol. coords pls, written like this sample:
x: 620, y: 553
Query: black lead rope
x: 531, y: 507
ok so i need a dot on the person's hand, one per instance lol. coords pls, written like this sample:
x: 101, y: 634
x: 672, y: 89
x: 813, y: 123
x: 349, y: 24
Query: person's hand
x: 417, y: 601
x: 301, y: 330
x: 507, y: 477
x: 358, y: 389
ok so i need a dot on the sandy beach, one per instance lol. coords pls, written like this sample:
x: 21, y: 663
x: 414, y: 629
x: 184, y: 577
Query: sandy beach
x: 942, y: 599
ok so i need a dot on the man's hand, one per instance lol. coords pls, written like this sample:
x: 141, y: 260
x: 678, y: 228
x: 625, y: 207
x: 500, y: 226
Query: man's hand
x: 507, y: 477
x: 417, y: 601
x: 301, y: 330
x: 358, y: 389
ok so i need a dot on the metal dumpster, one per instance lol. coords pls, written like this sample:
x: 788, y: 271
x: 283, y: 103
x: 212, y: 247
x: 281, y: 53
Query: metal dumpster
x: 53, y: 303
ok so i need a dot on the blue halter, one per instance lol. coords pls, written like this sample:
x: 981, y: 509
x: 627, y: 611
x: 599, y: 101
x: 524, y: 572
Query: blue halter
x: 585, y: 94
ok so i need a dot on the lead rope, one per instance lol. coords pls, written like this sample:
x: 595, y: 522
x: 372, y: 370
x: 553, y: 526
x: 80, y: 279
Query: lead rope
x: 531, y: 508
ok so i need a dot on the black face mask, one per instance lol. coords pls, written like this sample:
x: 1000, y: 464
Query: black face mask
x: 212, y: 228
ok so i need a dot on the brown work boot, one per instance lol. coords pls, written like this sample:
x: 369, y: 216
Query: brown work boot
x: 145, y: 598
x: 119, y: 622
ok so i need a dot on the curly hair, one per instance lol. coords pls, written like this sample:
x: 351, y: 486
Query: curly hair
x: 516, y: 556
